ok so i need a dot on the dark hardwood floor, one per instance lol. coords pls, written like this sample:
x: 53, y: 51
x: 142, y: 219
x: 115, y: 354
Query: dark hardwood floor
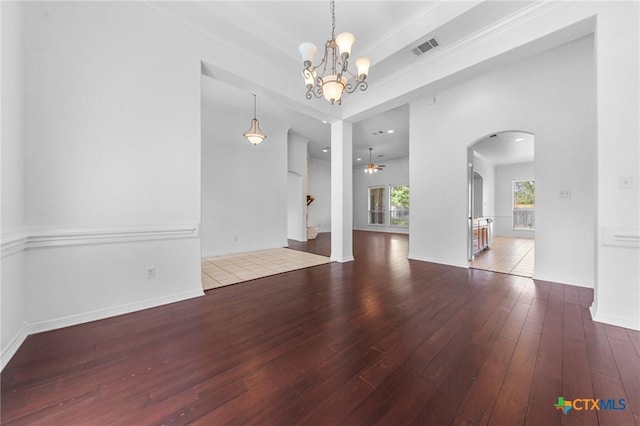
x: 381, y: 340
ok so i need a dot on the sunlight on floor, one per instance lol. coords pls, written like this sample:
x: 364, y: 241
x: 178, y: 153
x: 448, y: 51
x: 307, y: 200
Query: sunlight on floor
x: 507, y: 255
x: 231, y: 269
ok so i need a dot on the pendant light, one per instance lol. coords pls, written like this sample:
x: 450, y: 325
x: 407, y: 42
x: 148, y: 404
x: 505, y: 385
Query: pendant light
x: 254, y: 134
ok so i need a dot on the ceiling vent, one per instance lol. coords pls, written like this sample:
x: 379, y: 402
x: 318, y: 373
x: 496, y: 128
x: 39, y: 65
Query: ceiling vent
x: 426, y: 46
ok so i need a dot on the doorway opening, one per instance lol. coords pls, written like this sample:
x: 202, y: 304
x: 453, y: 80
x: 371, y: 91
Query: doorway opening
x: 501, y: 200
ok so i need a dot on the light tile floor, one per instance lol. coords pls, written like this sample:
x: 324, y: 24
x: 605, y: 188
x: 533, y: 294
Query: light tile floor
x: 507, y: 255
x: 231, y: 269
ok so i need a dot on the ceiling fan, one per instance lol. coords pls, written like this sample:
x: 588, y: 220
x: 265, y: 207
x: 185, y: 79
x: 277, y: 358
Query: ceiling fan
x: 372, y: 167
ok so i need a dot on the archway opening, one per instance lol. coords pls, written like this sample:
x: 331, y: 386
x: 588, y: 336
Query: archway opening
x: 502, y: 203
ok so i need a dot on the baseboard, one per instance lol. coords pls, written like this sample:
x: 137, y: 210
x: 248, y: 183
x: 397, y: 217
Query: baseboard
x: 342, y: 260
x: 440, y: 261
x: 13, y: 346
x: 112, y: 311
x: 561, y: 280
x: 403, y: 231
x: 614, y: 320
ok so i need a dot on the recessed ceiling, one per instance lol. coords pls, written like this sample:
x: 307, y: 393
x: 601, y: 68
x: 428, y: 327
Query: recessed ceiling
x: 387, y: 31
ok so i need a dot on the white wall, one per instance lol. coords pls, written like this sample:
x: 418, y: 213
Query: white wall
x: 396, y: 172
x: 552, y: 96
x: 617, y: 293
x: 296, y: 224
x: 504, y: 177
x: 111, y: 163
x: 297, y: 189
x: 487, y: 171
x: 320, y: 188
x: 244, y: 187
x: 12, y: 307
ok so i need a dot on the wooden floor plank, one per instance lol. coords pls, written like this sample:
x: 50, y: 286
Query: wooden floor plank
x: 626, y: 360
x: 381, y: 340
x: 609, y: 387
x: 512, y: 401
x: 576, y: 384
x: 546, y: 386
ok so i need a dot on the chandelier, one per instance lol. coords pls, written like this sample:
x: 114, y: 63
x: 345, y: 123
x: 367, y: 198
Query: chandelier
x: 254, y: 134
x: 331, y: 77
x: 372, y: 167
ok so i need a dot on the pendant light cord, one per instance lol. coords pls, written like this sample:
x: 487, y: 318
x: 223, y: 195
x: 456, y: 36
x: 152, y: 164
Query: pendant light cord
x: 254, y: 106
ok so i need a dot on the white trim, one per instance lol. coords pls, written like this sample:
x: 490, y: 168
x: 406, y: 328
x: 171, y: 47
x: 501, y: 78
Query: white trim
x: 614, y: 320
x: 112, y: 311
x: 13, y: 243
x: 561, y: 280
x: 439, y: 261
x: 75, y: 237
x: 28, y: 329
x: 404, y: 230
x: 342, y: 260
x: 621, y: 237
x: 10, y: 350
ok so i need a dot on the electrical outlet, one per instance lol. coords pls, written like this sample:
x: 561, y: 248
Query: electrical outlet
x: 151, y: 273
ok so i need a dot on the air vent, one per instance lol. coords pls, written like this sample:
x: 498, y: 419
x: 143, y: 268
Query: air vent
x: 426, y: 46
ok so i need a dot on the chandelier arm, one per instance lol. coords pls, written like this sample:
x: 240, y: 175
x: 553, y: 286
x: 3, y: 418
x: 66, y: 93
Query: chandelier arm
x: 351, y: 74
x: 362, y: 85
x: 316, y: 90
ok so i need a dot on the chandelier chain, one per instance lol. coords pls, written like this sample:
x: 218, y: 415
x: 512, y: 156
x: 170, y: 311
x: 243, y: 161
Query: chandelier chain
x: 333, y: 20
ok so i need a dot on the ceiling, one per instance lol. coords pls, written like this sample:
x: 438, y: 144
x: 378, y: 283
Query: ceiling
x: 269, y: 32
x: 506, y: 148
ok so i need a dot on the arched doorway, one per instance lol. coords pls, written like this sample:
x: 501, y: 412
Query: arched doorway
x: 502, y: 203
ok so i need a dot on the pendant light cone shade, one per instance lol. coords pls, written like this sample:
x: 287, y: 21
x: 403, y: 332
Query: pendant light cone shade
x: 308, y: 51
x: 344, y: 42
x: 254, y: 134
x: 363, y: 64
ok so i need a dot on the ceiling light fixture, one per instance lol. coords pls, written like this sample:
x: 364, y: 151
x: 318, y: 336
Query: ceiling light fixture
x: 332, y: 82
x: 372, y: 167
x: 254, y: 134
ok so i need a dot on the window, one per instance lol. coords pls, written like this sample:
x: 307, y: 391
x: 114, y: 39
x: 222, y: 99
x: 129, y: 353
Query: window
x: 399, y: 202
x: 377, y: 205
x: 524, y: 207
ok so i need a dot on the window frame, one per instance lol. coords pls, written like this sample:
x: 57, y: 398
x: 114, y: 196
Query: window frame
x: 513, y: 206
x: 384, y: 198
